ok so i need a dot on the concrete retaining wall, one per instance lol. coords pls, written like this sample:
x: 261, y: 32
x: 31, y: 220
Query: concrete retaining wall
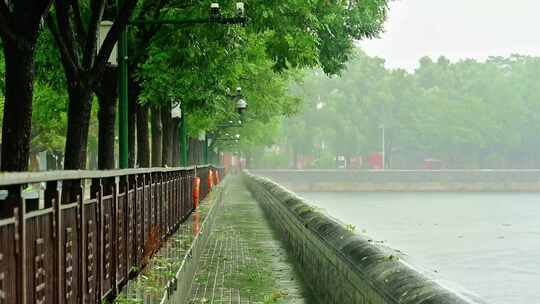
x: 342, y: 267
x: 405, y: 180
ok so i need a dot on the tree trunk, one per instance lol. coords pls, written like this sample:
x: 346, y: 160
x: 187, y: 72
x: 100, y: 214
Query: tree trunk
x: 295, y: 158
x: 248, y: 159
x: 79, y: 111
x: 195, y: 151
x: 132, y: 121
x: 167, y: 150
x: 17, y: 123
x: 175, y: 142
x: 143, y: 149
x: 106, y: 115
x: 191, y: 152
x: 157, y: 134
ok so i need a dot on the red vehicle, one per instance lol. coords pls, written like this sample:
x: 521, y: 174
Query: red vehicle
x: 432, y: 164
x: 375, y: 161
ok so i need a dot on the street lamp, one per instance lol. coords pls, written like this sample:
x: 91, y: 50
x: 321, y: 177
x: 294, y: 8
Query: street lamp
x: 215, y: 17
x: 241, y: 106
x: 214, y: 11
x: 241, y: 103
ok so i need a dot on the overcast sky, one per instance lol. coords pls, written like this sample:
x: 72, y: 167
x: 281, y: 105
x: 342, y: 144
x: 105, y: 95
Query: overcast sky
x: 457, y: 29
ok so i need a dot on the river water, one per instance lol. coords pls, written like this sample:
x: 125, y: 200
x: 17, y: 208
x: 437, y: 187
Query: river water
x: 488, y: 243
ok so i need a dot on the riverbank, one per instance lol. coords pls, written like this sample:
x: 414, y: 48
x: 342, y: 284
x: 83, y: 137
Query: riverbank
x: 340, y: 265
x: 405, y: 180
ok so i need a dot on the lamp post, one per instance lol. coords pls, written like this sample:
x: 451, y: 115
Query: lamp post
x: 241, y: 106
x: 214, y: 17
x: 122, y: 56
x: 383, y: 148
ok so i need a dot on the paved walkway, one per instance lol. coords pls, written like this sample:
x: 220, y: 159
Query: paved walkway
x: 245, y: 262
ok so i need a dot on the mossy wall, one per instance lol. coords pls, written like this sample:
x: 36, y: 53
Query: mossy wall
x: 404, y: 180
x: 340, y: 266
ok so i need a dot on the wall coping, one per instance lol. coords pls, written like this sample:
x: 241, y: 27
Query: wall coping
x: 397, y: 170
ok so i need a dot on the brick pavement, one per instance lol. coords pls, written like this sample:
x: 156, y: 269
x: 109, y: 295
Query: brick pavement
x: 244, y: 261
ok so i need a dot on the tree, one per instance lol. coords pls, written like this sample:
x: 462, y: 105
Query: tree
x: 204, y: 62
x: 107, y: 97
x: 19, y: 28
x: 468, y: 114
x: 200, y: 71
x: 76, y: 38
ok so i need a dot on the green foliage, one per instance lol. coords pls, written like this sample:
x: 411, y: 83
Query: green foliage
x: 271, y: 160
x: 468, y: 114
x: 49, y: 119
x: 200, y: 66
x: 324, y: 161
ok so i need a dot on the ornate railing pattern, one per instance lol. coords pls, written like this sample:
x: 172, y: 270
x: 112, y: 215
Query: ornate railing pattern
x: 78, y: 236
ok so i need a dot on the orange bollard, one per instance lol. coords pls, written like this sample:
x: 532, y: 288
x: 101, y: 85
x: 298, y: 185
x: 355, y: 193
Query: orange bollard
x: 196, y: 188
x: 217, y: 178
x: 210, y: 180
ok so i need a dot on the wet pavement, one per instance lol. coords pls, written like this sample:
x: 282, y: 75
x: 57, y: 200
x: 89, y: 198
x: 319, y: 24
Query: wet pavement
x: 245, y: 261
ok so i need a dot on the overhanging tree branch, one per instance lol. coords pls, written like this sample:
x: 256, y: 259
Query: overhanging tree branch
x: 112, y: 37
x: 64, y: 52
x: 65, y: 31
x: 97, y: 8
x: 79, y: 26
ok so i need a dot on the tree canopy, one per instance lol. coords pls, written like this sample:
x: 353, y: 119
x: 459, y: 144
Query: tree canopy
x: 196, y: 66
x: 469, y: 114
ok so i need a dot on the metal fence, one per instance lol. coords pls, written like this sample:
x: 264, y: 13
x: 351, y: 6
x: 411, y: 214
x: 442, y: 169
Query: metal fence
x: 78, y: 236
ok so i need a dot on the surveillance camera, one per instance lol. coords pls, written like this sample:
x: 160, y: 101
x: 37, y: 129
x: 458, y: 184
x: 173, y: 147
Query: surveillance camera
x: 214, y: 10
x: 240, y: 9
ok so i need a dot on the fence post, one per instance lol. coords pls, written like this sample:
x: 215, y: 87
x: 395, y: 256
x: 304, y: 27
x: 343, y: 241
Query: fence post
x: 114, y: 188
x: 98, y: 189
x: 50, y: 199
x: 15, y: 199
x: 141, y: 180
x: 92, y: 266
x: 169, y: 214
x: 131, y: 232
x: 81, y: 222
x: 122, y: 224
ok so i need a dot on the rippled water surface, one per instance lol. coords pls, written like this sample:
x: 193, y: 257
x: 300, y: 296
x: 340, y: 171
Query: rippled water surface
x: 489, y: 243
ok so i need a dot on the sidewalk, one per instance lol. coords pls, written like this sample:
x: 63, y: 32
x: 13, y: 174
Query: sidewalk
x: 245, y: 261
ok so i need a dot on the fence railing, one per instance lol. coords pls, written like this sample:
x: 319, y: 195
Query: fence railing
x: 78, y: 236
